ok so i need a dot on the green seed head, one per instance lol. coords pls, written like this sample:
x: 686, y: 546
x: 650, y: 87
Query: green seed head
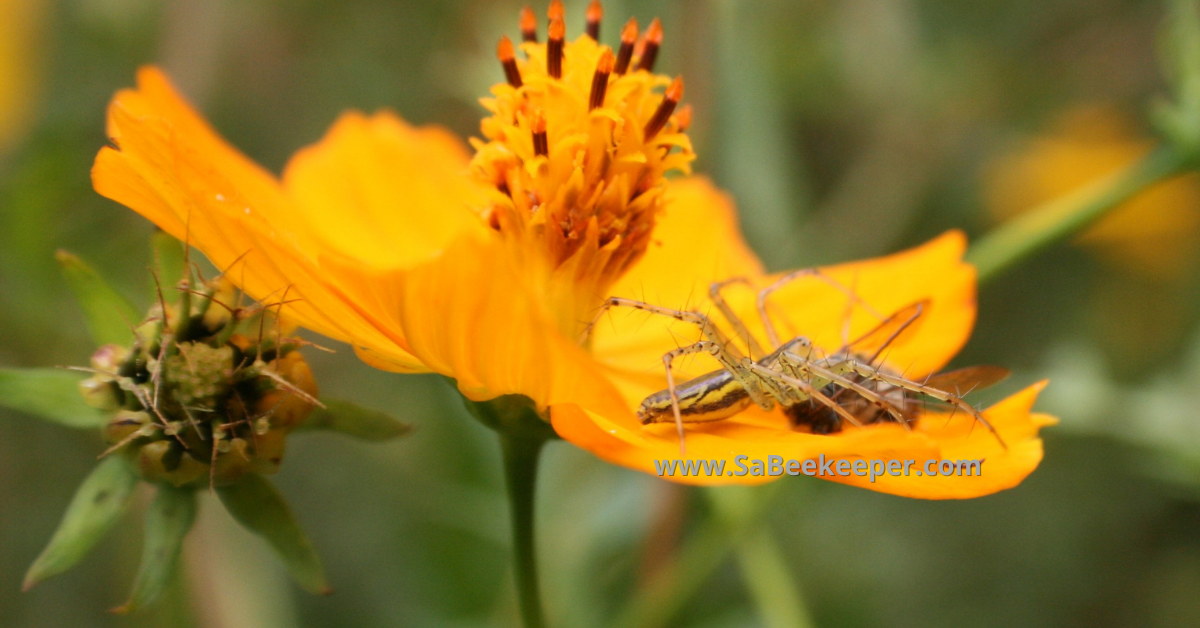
x: 202, y: 397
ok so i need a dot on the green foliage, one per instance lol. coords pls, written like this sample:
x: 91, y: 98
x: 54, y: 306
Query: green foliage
x: 51, y: 394
x: 351, y: 419
x: 1179, y: 120
x: 110, y: 318
x: 259, y: 507
x: 96, y: 506
x: 168, y: 521
x: 168, y: 264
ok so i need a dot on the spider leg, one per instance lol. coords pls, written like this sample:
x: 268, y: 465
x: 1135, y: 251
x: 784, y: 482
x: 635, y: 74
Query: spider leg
x: 668, y: 359
x: 707, y: 327
x: 739, y: 327
x: 726, y: 351
x: 929, y: 391
x: 762, y: 391
x: 808, y: 389
x: 772, y: 334
x: 801, y: 365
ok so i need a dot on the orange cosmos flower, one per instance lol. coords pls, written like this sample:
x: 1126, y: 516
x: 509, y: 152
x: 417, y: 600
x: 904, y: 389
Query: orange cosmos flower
x: 489, y: 268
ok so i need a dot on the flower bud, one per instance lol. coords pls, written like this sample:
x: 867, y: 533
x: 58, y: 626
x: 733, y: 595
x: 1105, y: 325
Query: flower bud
x: 100, y: 393
x: 203, y: 398
x: 285, y: 408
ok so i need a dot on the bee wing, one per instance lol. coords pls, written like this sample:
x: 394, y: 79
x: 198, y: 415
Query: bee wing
x: 961, y: 381
x: 875, y: 342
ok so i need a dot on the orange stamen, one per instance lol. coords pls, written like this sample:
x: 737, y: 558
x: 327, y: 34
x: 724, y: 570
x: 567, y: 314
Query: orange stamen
x: 629, y: 35
x: 654, y: 37
x: 556, y: 11
x: 595, y: 13
x: 670, y: 100
x: 604, y: 68
x: 508, y: 59
x: 554, y: 47
x: 675, y: 89
x: 541, y: 143
x: 528, y: 25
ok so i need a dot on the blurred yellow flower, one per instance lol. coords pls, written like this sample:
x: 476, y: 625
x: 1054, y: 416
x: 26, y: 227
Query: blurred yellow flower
x: 487, y: 268
x: 1156, y: 232
x: 19, y: 33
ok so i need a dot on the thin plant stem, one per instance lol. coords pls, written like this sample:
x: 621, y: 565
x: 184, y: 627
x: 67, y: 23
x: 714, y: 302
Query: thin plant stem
x: 668, y: 590
x: 768, y: 579
x: 770, y: 582
x: 672, y: 585
x: 521, y: 454
x: 1062, y: 218
x: 523, y: 433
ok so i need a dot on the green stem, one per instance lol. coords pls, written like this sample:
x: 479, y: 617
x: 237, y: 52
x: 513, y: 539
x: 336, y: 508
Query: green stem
x: 1062, y: 218
x: 523, y: 433
x: 521, y: 454
x: 737, y: 510
x: 770, y: 582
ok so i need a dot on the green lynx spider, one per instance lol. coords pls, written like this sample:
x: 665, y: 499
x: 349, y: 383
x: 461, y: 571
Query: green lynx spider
x: 793, y: 374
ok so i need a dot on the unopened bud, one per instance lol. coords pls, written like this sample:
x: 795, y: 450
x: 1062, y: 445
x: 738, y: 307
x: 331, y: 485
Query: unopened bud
x: 101, y: 393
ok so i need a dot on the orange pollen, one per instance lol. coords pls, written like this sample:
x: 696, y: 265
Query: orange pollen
x: 554, y: 47
x: 650, y: 45
x: 604, y: 68
x: 528, y: 25
x: 556, y: 11
x: 508, y: 60
x: 629, y: 35
x: 595, y: 13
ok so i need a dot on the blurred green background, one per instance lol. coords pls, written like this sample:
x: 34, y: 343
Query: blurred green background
x: 845, y: 128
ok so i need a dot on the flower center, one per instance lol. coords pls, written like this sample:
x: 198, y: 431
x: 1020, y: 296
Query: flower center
x: 577, y: 147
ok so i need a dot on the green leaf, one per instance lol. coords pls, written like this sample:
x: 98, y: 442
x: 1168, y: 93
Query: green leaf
x: 110, y: 318
x: 168, y: 263
x: 259, y: 507
x: 96, y: 506
x: 354, y: 420
x: 168, y: 521
x: 52, y: 394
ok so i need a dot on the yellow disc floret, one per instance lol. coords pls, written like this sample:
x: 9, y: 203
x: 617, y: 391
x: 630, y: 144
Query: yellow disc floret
x: 576, y: 149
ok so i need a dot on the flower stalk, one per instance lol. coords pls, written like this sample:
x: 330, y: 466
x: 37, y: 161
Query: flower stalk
x: 1062, y: 218
x: 523, y: 434
x: 521, y: 455
x: 1177, y: 121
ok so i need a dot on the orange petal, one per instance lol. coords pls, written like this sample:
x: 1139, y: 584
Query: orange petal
x: 172, y: 168
x: 469, y: 314
x: 933, y: 272
x: 757, y: 436
x: 964, y: 440
x: 384, y: 193
x: 696, y: 241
